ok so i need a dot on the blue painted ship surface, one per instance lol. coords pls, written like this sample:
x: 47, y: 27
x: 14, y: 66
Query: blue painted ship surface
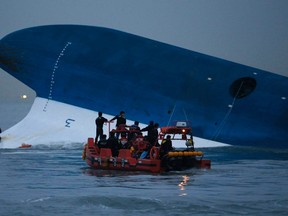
x: 101, y: 69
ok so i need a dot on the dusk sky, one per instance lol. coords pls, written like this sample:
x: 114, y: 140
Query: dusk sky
x: 250, y: 32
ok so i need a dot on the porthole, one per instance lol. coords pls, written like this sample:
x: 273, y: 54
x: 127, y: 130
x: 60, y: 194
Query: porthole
x: 242, y: 87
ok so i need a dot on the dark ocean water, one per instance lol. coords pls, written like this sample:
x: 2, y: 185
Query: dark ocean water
x: 55, y: 181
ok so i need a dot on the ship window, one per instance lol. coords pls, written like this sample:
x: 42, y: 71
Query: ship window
x: 242, y: 87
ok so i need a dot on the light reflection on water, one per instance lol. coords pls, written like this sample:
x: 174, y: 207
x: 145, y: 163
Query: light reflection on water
x: 182, y: 185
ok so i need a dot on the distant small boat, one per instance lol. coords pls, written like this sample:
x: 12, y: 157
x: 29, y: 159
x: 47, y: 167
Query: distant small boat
x: 24, y: 145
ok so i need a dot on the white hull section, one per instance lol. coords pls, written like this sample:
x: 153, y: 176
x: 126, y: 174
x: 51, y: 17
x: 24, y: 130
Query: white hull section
x: 53, y: 123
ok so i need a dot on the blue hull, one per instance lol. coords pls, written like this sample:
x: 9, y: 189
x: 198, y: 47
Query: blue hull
x: 108, y: 70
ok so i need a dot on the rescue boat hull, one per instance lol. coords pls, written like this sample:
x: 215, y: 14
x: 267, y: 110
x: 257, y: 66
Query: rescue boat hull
x: 103, y: 159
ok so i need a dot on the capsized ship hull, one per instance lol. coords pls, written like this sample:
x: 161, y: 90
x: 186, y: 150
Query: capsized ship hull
x: 100, y: 69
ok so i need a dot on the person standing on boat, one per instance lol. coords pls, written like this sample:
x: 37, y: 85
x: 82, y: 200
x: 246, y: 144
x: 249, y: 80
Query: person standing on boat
x: 120, y: 122
x: 134, y: 130
x: 165, y: 147
x: 153, y: 135
x: 100, y: 120
x: 135, y: 127
x: 152, y: 138
x: 149, y: 128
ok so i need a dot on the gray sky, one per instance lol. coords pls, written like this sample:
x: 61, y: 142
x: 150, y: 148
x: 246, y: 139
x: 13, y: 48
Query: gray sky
x: 250, y: 32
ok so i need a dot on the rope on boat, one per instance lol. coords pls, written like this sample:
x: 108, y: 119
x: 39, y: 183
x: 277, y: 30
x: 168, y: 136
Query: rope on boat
x: 224, y: 120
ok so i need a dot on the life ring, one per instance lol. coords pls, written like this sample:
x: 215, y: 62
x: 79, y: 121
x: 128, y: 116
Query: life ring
x: 154, y: 153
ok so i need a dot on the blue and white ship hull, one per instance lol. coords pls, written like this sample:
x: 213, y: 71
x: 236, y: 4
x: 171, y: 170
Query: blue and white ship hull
x: 97, y: 69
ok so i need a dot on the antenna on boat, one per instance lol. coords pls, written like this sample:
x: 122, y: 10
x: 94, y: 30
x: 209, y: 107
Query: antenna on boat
x: 171, y: 114
x: 185, y: 114
x: 184, y: 111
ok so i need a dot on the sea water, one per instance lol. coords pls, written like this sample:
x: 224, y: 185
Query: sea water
x: 54, y: 180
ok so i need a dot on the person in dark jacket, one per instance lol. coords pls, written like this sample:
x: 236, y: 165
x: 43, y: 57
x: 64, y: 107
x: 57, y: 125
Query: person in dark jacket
x: 165, y: 147
x: 153, y: 135
x: 149, y: 128
x: 100, y: 120
x: 102, y: 142
x: 113, y: 144
x: 120, y: 121
x: 133, y: 131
